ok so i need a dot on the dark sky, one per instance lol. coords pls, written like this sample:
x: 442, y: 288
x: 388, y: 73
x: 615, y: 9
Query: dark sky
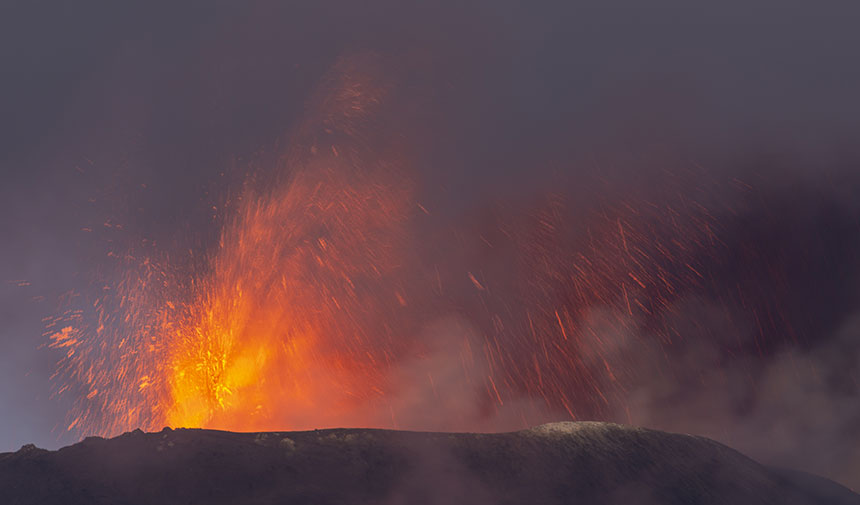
x: 145, y: 114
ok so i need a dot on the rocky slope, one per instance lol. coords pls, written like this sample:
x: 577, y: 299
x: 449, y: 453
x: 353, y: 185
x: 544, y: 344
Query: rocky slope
x: 593, y: 463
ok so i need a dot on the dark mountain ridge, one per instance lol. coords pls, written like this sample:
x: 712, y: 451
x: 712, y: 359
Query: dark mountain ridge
x: 582, y: 462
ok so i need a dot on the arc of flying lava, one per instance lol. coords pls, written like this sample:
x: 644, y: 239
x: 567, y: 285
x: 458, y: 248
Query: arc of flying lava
x: 313, y: 310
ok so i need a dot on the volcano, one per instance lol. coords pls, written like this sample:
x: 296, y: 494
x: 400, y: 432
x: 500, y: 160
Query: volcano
x: 570, y: 462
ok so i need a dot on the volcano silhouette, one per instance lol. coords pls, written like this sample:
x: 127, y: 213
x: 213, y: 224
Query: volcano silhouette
x: 560, y: 463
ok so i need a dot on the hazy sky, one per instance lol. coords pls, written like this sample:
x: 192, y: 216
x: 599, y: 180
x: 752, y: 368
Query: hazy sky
x: 136, y: 113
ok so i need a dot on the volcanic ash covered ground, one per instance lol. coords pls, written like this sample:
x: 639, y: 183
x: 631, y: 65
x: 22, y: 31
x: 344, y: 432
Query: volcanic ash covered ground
x: 583, y: 462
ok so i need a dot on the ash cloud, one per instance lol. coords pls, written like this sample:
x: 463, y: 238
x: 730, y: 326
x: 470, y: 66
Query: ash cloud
x: 785, y: 401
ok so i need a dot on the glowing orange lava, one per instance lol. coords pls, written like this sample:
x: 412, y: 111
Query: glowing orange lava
x: 272, y: 332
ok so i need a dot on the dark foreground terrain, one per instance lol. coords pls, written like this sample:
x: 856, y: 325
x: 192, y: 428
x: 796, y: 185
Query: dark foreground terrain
x: 582, y: 463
